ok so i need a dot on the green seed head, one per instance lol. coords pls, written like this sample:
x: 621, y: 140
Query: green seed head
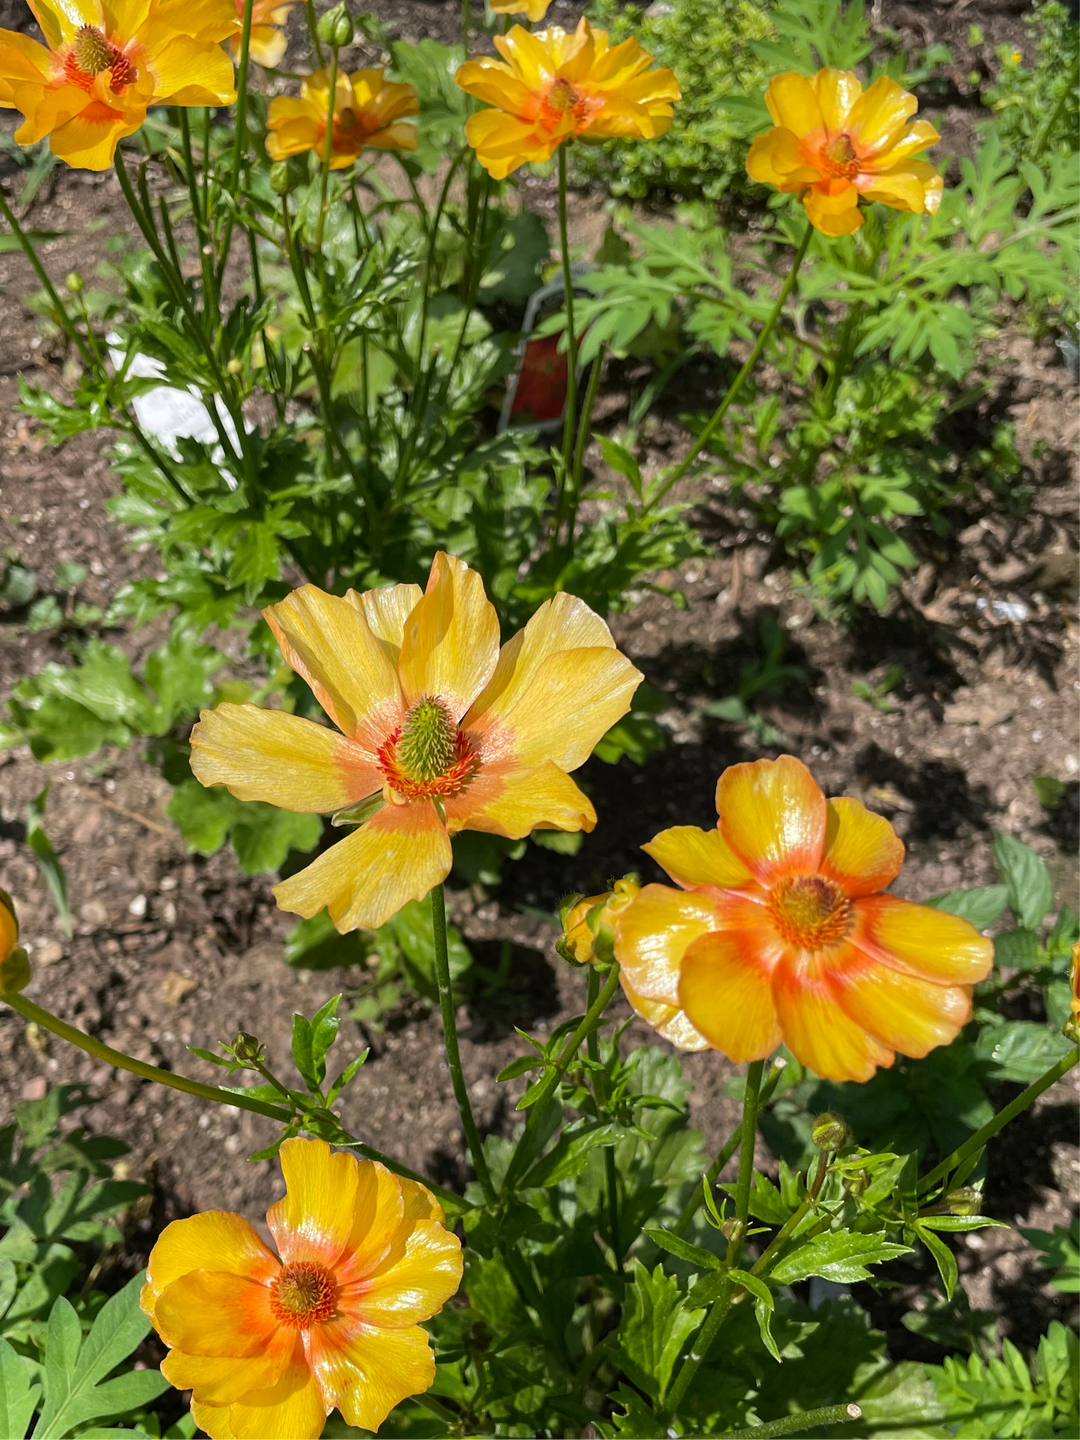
x: 93, y: 53
x: 428, y: 744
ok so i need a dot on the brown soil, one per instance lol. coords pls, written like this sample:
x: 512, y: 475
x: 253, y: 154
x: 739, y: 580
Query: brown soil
x: 171, y: 950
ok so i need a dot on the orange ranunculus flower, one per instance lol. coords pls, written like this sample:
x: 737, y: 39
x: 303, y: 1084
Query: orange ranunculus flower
x: 835, y: 145
x: 268, y: 1346
x: 368, y: 115
x: 779, y: 932
x: 440, y: 729
x: 554, y: 86
x: 268, y: 44
x: 534, y: 10
x: 106, y: 62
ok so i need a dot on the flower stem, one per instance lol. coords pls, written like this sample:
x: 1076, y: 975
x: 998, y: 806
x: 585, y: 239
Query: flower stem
x: 240, y: 133
x: 63, y: 319
x: 453, y: 1056
x: 523, y: 1154
x: 718, y: 1313
x: 801, y: 1422
x: 570, y: 412
x: 751, y: 360
x: 975, y: 1142
x: 328, y: 150
x: 611, y: 1174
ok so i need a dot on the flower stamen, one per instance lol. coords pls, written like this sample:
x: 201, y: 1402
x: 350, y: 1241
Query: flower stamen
x: 303, y: 1295
x: 428, y: 755
x: 90, y: 55
x: 810, y: 911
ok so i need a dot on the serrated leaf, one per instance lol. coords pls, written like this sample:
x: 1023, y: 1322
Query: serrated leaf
x: 18, y: 1398
x: 567, y: 1157
x: 657, y: 1321
x: 840, y: 1256
x: 1026, y: 879
x: 682, y: 1249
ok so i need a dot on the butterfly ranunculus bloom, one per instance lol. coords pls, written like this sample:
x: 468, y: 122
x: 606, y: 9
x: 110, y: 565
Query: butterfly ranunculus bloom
x: 267, y: 44
x: 106, y: 63
x: 779, y: 932
x: 269, y: 1346
x: 553, y: 86
x: 835, y: 144
x: 368, y: 115
x: 441, y: 731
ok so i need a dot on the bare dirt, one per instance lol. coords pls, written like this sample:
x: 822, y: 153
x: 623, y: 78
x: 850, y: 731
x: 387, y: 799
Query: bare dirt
x: 171, y: 950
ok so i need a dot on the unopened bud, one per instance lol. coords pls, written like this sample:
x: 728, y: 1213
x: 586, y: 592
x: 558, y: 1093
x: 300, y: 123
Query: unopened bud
x: 234, y: 367
x: 282, y: 177
x: 856, y: 1183
x: 967, y: 1200
x: 589, y: 923
x: 830, y: 1133
x: 247, y: 1049
x: 336, y: 27
x: 14, y: 971
x: 74, y: 282
x: 733, y: 1230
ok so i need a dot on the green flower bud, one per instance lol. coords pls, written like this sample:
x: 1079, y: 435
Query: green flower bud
x: 74, y: 282
x: 14, y: 971
x: 282, y: 178
x: 234, y: 366
x: 856, y: 1183
x: 967, y: 1200
x: 732, y: 1230
x: 336, y: 27
x: 830, y: 1133
x: 247, y: 1048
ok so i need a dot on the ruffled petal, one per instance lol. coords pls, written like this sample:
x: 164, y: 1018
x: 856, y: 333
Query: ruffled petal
x: 726, y: 991
x: 494, y: 83
x: 793, y: 103
x: 776, y: 158
x: 669, y: 1022
x: 281, y: 759
x: 291, y: 1409
x: 651, y: 937
x: 193, y: 72
x: 512, y: 800
x: 451, y: 640
x: 904, y: 1012
x: 378, y: 1215
x: 365, y: 1371
x: 837, y: 91
x: 824, y: 214
x: 863, y: 853
x: 528, y: 56
x: 314, y: 1219
x: 695, y: 857
x: 398, y: 855
x: 877, y: 119
x: 215, y: 1240
x: 918, y: 136
x: 899, y: 189
x: 21, y: 60
x: 223, y: 1379
x: 88, y: 140
x: 817, y: 1031
x: 772, y: 814
x: 413, y: 1282
x: 267, y: 46
x: 503, y: 143
x: 920, y: 940
x: 209, y: 1313
x: 386, y: 611
x: 328, y: 643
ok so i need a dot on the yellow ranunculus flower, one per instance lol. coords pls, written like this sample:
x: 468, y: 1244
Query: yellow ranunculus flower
x: 368, y: 115
x: 269, y: 1346
x: 780, y: 932
x: 534, y: 9
x: 554, y: 86
x: 441, y: 731
x: 106, y: 62
x: 268, y: 44
x: 835, y: 144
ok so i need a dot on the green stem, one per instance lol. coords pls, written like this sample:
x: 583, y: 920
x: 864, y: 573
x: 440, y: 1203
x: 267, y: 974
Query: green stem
x: 328, y: 151
x: 450, y: 1037
x: 240, y: 133
x: 1055, y: 114
x: 611, y: 1174
x: 63, y: 319
x: 522, y: 1155
x: 697, y: 1195
x: 975, y: 1142
x: 466, y: 25
x: 751, y: 360
x: 718, y: 1313
x: 313, y: 32
x: 578, y: 471
x: 570, y: 413
x: 801, y: 1422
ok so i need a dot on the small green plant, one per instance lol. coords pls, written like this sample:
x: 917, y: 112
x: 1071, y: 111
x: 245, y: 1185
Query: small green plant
x: 877, y: 692
x: 1034, y: 97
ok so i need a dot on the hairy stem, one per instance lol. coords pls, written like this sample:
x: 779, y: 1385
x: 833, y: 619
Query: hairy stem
x: 799, y: 1423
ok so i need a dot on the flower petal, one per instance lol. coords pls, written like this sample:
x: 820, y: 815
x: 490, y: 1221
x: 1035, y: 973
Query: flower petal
x: 365, y: 1371
x: 669, y: 1022
x: 386, y: 611
x: 502, y: 142
x: 918, y: 136
x: 877, y: 119
x: 776, y: 158
x: 396, y: 856
x: 920, y: 940
x: 694, y: 857
x: 651, y: 937
x: 210, y: 1313
x: 292, y: 1409
x: 281, y: 759
x: 513, y: 800
x: 377, y: 1216
x: 329, y: 644
x: 816, y: 1030
x: 193, y: 72
x: 901, y: 188
x: 793, y: 103
x: 830, y: 215
x: 725, y: 989
x: 863, y: 853
x: 837, y: 91
x: 904, y: 1012
x: 494, y: 83
x: 414, y: 1281
x: 531, y: 57
x: 451, y: 641
x: 215, y: 1240
x: 772, y: 814
x: 314, y: 1219
x: 222, y: 1379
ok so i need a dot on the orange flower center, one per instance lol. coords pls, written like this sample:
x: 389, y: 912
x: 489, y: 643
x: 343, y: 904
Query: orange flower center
x: 303, y: 1295
x: 840, y: 157
x: 809, y: 911
x: 91, y: 54
x: 427, y: 755
x: 562, y: 96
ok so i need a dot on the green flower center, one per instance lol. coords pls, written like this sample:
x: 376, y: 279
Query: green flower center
x: 93, y: 53
x: 428, y: 744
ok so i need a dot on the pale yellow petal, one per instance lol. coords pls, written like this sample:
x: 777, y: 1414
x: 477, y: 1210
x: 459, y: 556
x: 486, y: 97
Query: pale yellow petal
x: 451, y: 638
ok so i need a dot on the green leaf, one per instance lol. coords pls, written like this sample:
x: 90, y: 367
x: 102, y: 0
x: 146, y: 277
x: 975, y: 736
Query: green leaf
x: 657, y: 1321
x: 841, y: 1256
x: 47, y: 858
x: 683, y: 1249
x: 568, y: 1155
x: 1018, y: 950
x: 1026, y: 879
x: 943, y: 1258
x: 18, y: 1397
x: 763, y: 1307
x: 981, y: 906
x: 1061, y: 1250
x: 562, y: 842
x: 1020, y: 1050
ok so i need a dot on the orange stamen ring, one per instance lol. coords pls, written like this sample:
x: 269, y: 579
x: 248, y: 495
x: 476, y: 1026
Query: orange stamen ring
x: 303, y: 1295
x: 810, y: 911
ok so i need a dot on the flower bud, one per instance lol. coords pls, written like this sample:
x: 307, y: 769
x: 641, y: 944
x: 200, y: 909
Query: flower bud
x: 336, y: 27
x: 282, y: 177
x: 14, y: 971
x: 856, y: 1183
x: 967, y: 1200
x: 732, y: 1230
x: 234, y: 367
x: 74, y: 282
x: 589, y: 923
x: 830, y: 1133
x: 247, y: 1048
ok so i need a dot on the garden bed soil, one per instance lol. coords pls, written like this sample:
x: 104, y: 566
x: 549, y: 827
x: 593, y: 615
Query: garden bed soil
x: 172, y: 950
